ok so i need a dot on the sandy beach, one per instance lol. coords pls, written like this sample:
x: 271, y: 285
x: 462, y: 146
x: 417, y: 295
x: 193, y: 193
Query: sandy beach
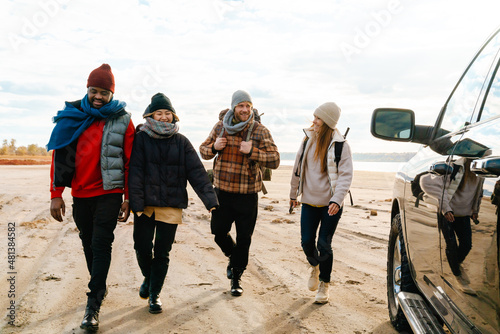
x: 47, y: 278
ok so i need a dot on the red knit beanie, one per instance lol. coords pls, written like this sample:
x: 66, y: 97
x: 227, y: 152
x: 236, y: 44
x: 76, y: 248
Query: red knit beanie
x: 102, y: 77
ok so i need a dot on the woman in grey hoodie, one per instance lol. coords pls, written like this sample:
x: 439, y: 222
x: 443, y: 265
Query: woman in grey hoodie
x: 323, y: 182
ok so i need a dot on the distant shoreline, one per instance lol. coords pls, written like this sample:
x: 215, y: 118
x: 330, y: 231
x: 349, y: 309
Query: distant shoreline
x: 361, y: 157
x: 365, y: 157
x: 383, y: 157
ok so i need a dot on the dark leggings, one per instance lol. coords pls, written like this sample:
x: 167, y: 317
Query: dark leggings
x: 154, y: 258
x: 320, y: 253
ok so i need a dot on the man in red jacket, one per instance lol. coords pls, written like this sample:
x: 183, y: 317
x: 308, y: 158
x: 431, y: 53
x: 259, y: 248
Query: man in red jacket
x: 91, y: 144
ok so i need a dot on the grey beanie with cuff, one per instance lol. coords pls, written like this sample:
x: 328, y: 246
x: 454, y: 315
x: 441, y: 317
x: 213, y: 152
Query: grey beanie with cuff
x: 238, y: 97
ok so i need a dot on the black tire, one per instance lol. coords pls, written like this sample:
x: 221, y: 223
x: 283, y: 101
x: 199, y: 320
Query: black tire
x: 398, y: 275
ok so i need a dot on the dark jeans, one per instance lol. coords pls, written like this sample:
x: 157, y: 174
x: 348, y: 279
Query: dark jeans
x: 457, y: 250
x: 321, y: 253
x: 242, y: 210
x: 96, y: 219
x: 153, y: 258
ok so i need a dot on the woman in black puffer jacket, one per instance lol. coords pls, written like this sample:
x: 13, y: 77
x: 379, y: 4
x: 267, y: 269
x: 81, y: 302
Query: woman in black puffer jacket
x: 161, y: 164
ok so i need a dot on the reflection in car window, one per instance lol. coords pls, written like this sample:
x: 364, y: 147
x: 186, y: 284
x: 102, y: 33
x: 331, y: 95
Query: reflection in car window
x: 492, y: 105
x: 467, y: 147
x: 462, y: 104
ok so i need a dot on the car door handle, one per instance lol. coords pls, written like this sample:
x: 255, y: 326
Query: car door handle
x: 489, y: 166
x: 441, y: 168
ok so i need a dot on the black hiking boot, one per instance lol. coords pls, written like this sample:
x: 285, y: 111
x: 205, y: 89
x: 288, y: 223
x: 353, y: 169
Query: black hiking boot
x: 236, y: 289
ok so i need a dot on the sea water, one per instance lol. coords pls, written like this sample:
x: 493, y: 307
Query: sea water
x: 374, y: 166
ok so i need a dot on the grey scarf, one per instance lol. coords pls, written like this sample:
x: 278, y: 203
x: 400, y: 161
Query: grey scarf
x: 234, y: 128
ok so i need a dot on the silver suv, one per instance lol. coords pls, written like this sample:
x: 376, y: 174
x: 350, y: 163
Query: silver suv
x: 443, y: 255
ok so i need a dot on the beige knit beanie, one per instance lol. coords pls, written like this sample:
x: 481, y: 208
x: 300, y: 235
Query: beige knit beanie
x: 329, y: 113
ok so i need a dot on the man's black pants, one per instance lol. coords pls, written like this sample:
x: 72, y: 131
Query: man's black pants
x: 242, y: 210
x: 96, y: 219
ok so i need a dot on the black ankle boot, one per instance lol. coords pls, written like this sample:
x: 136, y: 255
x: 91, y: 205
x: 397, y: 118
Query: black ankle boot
x: 236, y: 289
x: 144, y: 289
x: 90, y: 319
x: 155, y: 303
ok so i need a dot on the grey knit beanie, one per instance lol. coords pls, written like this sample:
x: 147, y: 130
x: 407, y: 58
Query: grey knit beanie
x: 329, y: 113
x: 240, y: 96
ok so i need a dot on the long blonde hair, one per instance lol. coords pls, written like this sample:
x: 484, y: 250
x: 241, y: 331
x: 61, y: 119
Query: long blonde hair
x: 323, y: 140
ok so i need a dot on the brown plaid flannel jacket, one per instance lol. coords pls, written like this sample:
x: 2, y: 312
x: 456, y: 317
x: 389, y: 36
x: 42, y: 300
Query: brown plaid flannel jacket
x: 234, y: 171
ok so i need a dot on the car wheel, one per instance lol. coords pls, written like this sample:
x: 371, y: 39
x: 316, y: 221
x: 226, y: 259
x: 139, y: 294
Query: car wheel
x: 398, y: 274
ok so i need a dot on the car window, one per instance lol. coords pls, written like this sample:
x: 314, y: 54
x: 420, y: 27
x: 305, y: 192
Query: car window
x: 492, y: 105
x: 466, y: 97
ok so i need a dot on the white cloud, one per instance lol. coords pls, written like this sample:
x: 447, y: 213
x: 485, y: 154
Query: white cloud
x: 288, y: 55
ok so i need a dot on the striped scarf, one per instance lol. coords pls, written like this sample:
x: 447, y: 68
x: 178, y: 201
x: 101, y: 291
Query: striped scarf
x: 159, y: 130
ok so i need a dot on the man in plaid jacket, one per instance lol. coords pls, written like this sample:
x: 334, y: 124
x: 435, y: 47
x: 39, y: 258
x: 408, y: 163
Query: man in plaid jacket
x: 240, y: 146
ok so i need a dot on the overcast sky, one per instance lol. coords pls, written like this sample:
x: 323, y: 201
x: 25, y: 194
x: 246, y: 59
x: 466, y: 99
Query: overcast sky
x: 291, y: 56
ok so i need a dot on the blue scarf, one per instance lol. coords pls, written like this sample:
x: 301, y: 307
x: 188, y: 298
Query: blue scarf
x: 71, y: 121
x: 229, y: 125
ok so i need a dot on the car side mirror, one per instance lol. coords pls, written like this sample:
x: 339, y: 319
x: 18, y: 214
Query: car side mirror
x: 393, y: 124
x: 399, y: 125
